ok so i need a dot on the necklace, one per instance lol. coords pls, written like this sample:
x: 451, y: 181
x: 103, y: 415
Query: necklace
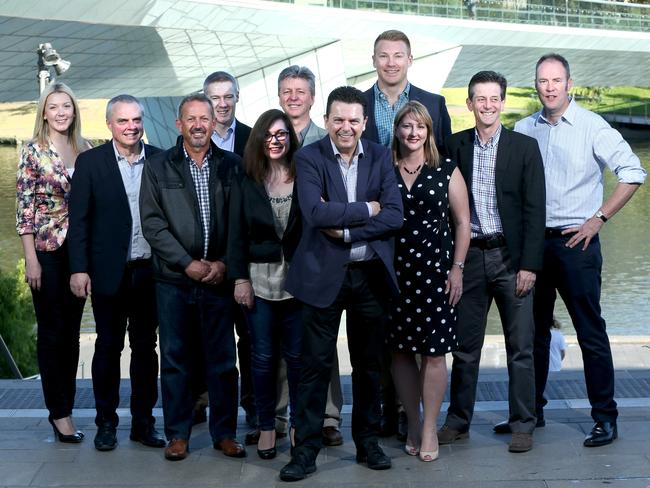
x: 414, y: 172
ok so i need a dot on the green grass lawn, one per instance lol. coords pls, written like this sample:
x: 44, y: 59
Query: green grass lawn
x: 17, y: 118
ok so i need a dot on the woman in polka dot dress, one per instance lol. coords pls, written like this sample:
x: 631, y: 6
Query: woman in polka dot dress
x: 429, y: 268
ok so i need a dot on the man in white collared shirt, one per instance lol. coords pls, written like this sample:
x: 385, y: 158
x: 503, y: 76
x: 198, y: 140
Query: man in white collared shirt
x: 576, y: 146
x: 223, y: 90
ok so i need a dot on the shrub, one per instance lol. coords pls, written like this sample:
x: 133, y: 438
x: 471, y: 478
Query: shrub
x: 17, y: 322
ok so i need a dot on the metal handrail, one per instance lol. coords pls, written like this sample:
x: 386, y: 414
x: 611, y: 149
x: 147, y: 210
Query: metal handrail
x: 598, y: 14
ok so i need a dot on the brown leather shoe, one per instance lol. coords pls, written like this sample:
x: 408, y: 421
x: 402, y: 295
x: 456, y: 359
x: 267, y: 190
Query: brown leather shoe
x: 521, y: 442
x: 449, y: 435
x: 332, y: 436
x: 177, y: 449
x: 231, y: 448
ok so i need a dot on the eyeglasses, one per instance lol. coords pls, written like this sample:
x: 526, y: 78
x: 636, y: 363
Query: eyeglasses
x: 279, y: 136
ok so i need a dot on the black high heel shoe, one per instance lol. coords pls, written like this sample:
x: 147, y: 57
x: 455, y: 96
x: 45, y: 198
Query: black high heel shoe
x: 75, y: 438
x: 267, y: 453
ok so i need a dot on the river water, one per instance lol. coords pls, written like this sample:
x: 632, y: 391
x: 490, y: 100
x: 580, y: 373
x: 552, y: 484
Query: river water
x: 625, y: 243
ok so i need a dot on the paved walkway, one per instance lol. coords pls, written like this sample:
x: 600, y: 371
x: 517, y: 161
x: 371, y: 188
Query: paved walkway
x: 29, y: 456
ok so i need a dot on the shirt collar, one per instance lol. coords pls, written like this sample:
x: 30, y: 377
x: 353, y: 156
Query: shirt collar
x: 357, y: 152
x: 119, y: 157
x: 569, y: 114
x: 230, y: 130
x: 491, y: 142
x: 206, y: 158
x: 404, y: 94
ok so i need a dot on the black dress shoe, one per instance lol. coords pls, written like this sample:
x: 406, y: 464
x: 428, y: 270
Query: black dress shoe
x: 601, y: 434
x: 297, y: 469
x: 75, y: 438
x: 374, y: 456
x: 147, y: 435
x: 267, y: 453
x: 504, y: 427
x: 106, y: 438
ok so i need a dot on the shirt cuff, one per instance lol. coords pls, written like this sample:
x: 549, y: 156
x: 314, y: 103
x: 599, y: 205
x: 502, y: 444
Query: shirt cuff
x: 369, y: 209
x: 346, y: 235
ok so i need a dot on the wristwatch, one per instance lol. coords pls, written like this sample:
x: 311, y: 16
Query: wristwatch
x: 600, y: 215
x: 460, y: 264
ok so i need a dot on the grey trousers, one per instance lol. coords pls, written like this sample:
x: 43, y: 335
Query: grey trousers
x: 488, y: 276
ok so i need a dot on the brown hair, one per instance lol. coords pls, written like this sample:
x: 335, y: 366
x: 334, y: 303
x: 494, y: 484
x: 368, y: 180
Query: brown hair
x: 393, y: 35
x: 256, y: 164
x: 421, y: 114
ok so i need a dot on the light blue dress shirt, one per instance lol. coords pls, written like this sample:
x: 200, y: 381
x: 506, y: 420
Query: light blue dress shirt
x: 360, y: 250
x: 226, y: 143
x: 576, y: 151
x: 131, y: 176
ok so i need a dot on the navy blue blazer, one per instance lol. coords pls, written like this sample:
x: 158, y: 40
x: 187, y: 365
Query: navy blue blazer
x: 320, y: 262
x: 100, y: 218
x: 434, y: 103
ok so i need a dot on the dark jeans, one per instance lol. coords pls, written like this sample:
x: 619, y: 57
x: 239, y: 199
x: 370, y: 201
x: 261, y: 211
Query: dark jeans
x: 576, y: 275
x: 364, y: 295
x: 58, y: 314
x: 275, y: 329
x: 184, y: 311
x: 488, y: 276
x: 132, y: 308
x: 246, y: 396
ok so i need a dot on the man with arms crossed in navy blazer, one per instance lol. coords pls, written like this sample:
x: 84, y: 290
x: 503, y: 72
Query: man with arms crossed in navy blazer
x: 392, y: 58
x: 296, y: 92
x: 110, y: 257
x: 505, y: 178
x: 350, y: 205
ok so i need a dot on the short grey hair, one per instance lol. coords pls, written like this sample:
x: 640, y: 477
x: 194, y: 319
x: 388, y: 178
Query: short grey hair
x: 302, y: 72
x: 220, y: 76
x: 123, y: 98
x: 195, y: 97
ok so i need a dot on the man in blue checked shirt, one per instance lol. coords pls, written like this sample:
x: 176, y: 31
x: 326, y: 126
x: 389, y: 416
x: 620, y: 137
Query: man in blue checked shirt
x: 576, y: 146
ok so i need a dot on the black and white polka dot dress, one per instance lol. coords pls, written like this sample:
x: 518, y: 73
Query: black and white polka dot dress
x: 421, y: 320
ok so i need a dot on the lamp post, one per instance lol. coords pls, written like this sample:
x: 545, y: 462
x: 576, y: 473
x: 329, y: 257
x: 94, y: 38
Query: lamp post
x: 49, y: 58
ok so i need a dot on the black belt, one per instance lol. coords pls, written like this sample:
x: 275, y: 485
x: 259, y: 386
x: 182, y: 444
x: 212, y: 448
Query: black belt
x: 554, y: 233
x: 491, y: 242
x: 138, y: 263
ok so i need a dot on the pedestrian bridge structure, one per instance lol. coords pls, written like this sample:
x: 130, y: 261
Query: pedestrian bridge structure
x: 163, y: 49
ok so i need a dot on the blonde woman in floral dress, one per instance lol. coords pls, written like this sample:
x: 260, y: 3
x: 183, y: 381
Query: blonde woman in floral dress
x: 42, y: 186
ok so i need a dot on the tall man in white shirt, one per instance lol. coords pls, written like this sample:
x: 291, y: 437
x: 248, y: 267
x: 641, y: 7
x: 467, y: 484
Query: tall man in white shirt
x: 576, y: 146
